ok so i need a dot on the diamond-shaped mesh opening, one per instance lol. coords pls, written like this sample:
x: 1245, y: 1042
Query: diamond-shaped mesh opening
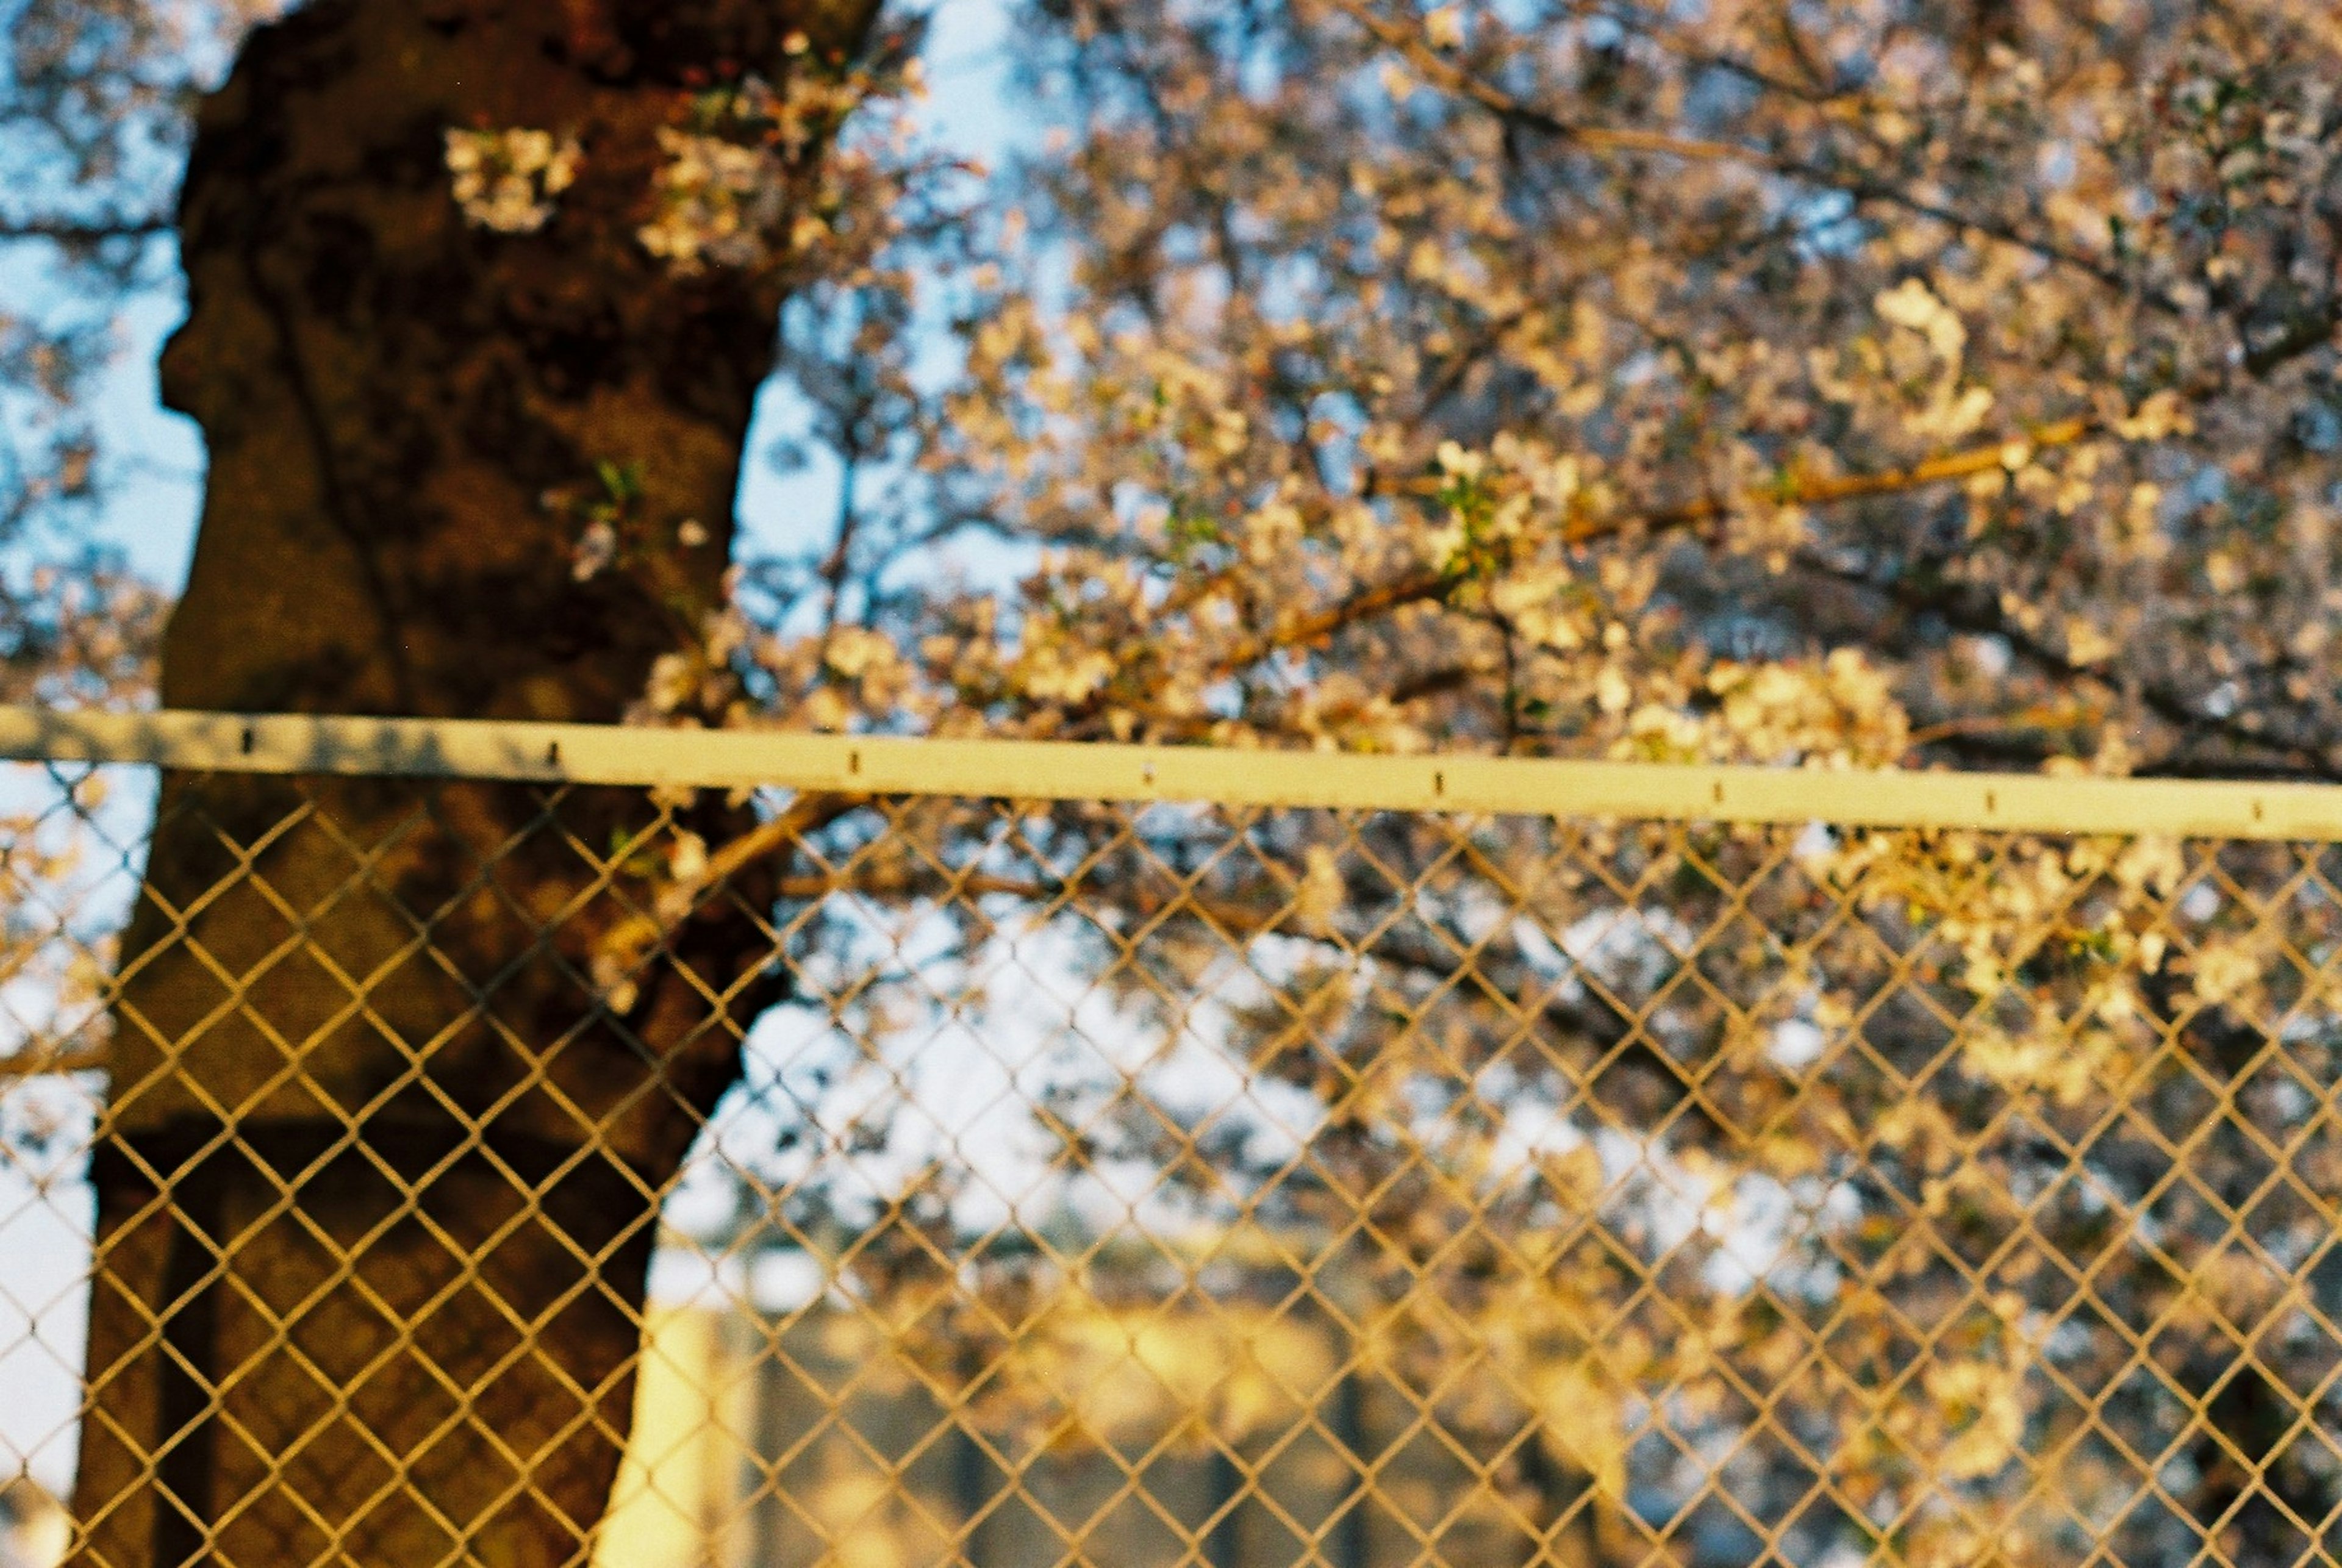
x: 449, y: 1171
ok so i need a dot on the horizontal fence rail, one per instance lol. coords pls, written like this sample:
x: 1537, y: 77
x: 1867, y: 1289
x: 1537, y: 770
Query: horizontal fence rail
x: 440, y: 1143
x: 1043, y: 769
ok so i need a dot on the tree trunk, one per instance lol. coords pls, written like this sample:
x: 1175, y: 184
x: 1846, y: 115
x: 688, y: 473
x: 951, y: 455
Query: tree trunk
x: 380, y: 1171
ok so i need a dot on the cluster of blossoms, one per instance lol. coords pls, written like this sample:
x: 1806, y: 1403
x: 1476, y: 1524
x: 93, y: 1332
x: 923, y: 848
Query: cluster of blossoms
x: 507, y: 180
x: 746, y: 179
x: 754, y: 175
x: 719, y: 202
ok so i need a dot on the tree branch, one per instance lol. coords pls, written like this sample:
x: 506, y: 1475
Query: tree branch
x: 1965, y: 607
x: 75, y: 231
x: 1860, y: 189
x: 1430, y: 584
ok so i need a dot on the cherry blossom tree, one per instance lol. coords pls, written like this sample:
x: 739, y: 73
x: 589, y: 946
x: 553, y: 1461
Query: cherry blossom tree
x: 1866, y: 385
x: 1856, y: 384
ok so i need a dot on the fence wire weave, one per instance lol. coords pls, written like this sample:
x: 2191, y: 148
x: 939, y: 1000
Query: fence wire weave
x: 910, y: 1179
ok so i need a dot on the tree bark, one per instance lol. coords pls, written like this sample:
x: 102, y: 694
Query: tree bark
x: 382, y: 1165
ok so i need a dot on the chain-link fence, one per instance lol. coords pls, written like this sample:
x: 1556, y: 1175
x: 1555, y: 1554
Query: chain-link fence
x: 437, y: 1145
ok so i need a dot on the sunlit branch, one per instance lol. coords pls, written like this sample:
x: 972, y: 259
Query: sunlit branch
x: 53, y: 1061
x: 1817, y: 491
x: 633, y: 940
x: 1826, y: 491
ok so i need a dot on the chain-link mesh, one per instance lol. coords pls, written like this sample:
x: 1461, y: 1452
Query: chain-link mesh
x: 894, y: 1181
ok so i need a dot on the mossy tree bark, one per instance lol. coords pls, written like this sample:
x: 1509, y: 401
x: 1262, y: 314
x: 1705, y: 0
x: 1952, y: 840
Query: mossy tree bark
x: 378, y: 1190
